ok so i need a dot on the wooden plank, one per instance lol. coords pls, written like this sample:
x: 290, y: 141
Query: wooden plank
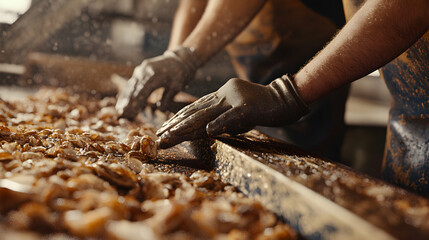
x: 320, y: 199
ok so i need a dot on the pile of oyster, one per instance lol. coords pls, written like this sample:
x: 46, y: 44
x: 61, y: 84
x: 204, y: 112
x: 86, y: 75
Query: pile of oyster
x: 69, y: 168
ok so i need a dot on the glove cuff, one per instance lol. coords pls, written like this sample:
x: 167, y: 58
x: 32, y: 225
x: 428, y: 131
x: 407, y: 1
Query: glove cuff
x: 293, y: 103
x: 187, y: 56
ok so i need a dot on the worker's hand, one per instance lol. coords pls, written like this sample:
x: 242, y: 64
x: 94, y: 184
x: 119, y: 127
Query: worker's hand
x: 235, y: 108
x: 172, y: 71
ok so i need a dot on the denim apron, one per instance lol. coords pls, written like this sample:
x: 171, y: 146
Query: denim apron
x: 406, y: 155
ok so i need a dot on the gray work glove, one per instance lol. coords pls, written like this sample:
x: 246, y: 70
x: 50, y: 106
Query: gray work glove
x: 236, y: 107
x: 172, y: 71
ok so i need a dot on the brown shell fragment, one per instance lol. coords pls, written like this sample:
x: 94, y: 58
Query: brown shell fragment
x: 135, y: 164
x: 39, y: 149
x: 115, y: 147
x: 87, y: 224
x: 136, y: 144
x: 148, y: 147
x: 68, y: 153
x: 93, y: 154
x: 116, y: 176
x: 131, y: 135
x: 5, y: 156
x: 128, y: 230
x: 80, y: 172
x: 98, y: 147
x: 4, y: 131
x: 125, y: 147
x: 35, y: 216
x: 53, y: 151
x: 87, y: 181
x: 137, y: 155
x: 31, y: 155
x: 10, y: 146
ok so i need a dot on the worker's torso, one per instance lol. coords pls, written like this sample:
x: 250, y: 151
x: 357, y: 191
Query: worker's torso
x: 406, y: 160
x: 283, y: 37
x: 406, y: 157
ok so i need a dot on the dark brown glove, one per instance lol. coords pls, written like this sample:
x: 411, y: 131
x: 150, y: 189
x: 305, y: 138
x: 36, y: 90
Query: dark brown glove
x: 172, y: 71
x: 236, y: 107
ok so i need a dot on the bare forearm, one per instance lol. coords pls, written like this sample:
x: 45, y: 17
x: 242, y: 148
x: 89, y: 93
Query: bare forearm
x: 380, y: 31
x: 188, y: 14
x: 222, y: 21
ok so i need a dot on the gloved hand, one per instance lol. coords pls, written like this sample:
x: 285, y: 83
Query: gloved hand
x: 236, y: 107
x: 172, y: 70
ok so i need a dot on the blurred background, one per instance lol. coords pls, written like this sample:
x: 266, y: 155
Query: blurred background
x: 83, y: 42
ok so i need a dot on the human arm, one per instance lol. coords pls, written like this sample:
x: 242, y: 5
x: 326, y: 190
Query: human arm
x: 220, y: 23
x: 379, y: 32
x: 188, y: 13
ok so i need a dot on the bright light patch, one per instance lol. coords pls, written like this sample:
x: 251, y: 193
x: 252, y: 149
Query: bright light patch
x: 11, y: 9
x: 18, y: 6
